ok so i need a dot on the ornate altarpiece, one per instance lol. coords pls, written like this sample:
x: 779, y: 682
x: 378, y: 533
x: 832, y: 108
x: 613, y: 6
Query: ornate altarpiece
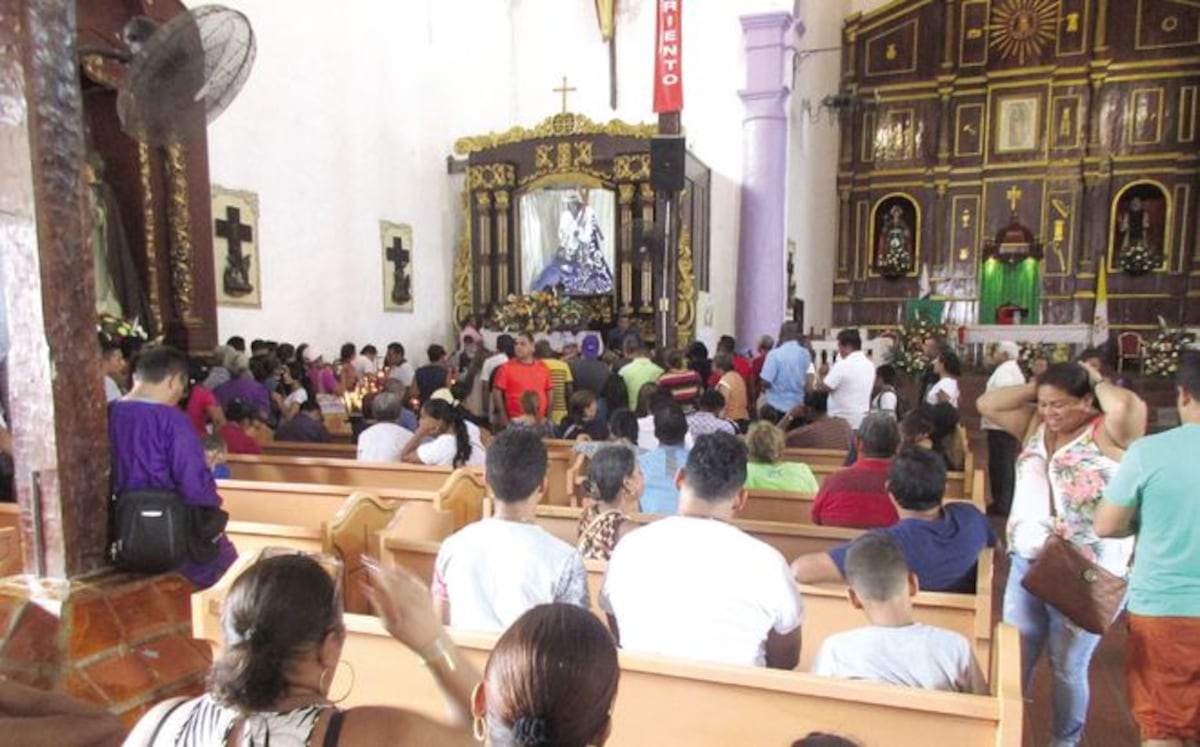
x: 570, y: 152
x: 1059, y: 112
x: 163, y: 193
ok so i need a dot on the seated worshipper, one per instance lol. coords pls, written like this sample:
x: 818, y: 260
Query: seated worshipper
x: 320, y: 373
x: 651, y: 398
x: 823, y: 739
x: 202, y: 407
x: 385, y: 440
x: 732, y: 386
x: 433, y: 375
x: 523, y: 373
x: 639, y: 371
x: 822, y: 431
x: 398, y: 368
x: 215, y: 452
x: 682, y: 382
x: 283, y: 629
x: 695, y: 586
x: 583, y: 418
x: 242, y: 385
x: 218, y: 371
x: 490, y: 572
x: 40, y: 717
x: 916, y: 430
x: 894, y: 648
x: 940, y: 541
x: 550, y: 680
x: 728, y: 346
x: 622, y: 429
x: 444, y: 437
x: 343, y: 368
x: 614, y: 486
x: 531, y: 418
x: 948, y: 370
x: 592, y: 374
x: 945, y: 436
x: 563, y: 384
x: 661, y: 464
x: 115, y: 369
x: 153, y: 445
x: 239, y: 421
x: 698, y: 360
x: 307, y: 425
x: 884, y: 397
x: 707, y: 417
x: 857, y: 496
x: 767, y: 470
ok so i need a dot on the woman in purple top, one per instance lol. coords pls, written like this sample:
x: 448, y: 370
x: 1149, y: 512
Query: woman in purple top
x: 154, y: 446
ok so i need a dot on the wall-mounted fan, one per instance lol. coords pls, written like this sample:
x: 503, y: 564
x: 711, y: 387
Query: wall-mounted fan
x: 181, y: 75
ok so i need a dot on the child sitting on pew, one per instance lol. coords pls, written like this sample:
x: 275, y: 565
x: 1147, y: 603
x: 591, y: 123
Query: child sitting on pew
x: 215, y: 452
x: 490, y: 572
x: 894, y: 648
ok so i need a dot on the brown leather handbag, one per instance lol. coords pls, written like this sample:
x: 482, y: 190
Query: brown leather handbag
x: 1086, y: 592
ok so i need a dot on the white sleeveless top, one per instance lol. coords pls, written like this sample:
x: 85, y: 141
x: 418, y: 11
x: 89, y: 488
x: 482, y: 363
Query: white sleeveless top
x: 1076, y: 477
x: 205, y: 723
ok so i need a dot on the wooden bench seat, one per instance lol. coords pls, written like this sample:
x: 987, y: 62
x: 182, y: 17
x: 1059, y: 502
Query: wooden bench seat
x: 663, y: 701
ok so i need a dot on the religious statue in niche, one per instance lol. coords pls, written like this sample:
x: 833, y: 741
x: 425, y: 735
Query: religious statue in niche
x: 565, y: 240
x: 895, y: 219
x: 235, y: 244
x: 1140, y: 217
x: 397, y: 243
x: 119, y: 290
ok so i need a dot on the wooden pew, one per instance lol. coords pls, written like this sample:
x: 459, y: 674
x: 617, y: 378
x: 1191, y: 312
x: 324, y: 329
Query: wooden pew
x: 11, y: 561
x: 663, y: 701
x: 304, y: 449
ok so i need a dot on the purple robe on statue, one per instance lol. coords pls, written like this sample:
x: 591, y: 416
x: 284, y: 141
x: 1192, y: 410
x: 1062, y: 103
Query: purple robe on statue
x: 155, y: 446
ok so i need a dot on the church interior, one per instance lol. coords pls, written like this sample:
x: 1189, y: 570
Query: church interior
x: 971, y: 171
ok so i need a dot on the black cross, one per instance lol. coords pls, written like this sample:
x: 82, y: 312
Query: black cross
x: 396, y: 253
x: 234, y: 231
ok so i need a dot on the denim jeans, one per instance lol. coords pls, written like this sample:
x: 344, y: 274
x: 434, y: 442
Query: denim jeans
x: 1069, y: 647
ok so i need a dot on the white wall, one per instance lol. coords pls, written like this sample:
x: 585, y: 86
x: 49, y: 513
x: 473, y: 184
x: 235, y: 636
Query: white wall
x: 347, y: 119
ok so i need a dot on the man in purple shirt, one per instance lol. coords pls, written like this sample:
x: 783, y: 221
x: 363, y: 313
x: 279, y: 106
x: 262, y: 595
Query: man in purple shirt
x: 243, y: 385
x: 154, y: 446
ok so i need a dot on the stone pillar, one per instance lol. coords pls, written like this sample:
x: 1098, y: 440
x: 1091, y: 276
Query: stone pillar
x: 761, y: 279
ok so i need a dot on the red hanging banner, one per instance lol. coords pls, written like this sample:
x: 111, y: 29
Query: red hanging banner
x: 668, y: 57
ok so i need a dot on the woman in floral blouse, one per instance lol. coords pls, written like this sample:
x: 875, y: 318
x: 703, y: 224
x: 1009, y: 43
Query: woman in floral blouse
x: 1075, y: 426
x: 615, y: 484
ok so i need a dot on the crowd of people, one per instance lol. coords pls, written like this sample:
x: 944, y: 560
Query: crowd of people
x: 689, y: 436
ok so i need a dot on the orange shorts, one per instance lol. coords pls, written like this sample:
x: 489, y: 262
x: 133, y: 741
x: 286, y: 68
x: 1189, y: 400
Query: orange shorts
x: 1162, y: 668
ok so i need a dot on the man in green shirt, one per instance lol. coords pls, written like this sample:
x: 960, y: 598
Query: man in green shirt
x: 639, y: 371
x: 1153, y: 495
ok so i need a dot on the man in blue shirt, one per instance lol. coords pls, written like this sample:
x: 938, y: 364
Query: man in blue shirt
x: 786, y: 370
x: 661, y: 464
x: 941, y: 542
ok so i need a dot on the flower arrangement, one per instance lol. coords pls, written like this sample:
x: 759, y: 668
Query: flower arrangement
x: 115, y: 330
x: 895, y: 262
x: 908, y: 354
x: 1138, y: 260
x: 540, y: 311
x: 1030, y: 352
x: 1162, y: 353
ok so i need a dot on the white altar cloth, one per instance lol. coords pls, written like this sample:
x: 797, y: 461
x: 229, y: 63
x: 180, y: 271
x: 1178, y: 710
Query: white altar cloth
x: 1073, y: 334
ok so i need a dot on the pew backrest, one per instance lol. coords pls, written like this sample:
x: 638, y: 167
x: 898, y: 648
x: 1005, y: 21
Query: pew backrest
x: 349, y: 472
x: 11, y: 561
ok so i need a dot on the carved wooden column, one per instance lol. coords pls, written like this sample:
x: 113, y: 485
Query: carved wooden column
x: 483, y: 229
x: 505, y: 283
x: 625, y: 193
x: 646, y: 295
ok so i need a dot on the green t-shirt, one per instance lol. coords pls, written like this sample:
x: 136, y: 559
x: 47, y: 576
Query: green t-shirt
x: 1159, y: 476
x: 636, y: 374
x: 792, y: 476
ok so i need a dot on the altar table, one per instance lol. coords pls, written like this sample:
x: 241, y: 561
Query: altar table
x: 1071, y: 334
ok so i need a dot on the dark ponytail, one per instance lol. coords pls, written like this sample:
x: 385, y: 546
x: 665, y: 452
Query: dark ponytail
x: 275, y: 610
x: 452, y: 415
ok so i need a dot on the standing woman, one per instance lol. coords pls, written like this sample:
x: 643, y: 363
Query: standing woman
x: 948, y: 368
x: 615, y: 485
x: 1075, y: 425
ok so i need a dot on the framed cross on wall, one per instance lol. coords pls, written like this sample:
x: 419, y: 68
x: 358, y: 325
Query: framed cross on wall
x: 237, y: 261
x: 396, y: 242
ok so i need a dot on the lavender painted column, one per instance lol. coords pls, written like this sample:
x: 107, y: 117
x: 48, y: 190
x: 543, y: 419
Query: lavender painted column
x: 761, y: 294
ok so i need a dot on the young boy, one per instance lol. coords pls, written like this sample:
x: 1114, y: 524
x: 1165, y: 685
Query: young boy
x: 490, y: 572
x: 215, y: 452
x: 893, y: 648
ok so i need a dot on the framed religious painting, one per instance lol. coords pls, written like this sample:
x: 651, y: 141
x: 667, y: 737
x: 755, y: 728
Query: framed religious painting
x: 236, y: 257
x: 396, y: 242
x: 1017, y: 124
x: 567, y: 235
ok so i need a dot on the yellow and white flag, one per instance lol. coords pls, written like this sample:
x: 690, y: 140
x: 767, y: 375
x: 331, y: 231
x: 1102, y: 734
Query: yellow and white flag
x: 1100, y: 313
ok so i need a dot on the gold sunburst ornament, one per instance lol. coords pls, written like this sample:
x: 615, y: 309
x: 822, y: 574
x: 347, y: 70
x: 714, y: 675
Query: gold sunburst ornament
x: 1022, y: 28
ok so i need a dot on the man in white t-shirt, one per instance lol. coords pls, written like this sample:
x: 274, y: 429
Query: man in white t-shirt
x: 695, y: 586
x: 384, y: 441
x: 850, y: 381
x: 1003, y: 447
x: 894, y: 648
x: 490, y: 572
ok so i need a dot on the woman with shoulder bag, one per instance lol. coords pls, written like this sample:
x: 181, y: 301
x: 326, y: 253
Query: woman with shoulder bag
x: 1075, y: 426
